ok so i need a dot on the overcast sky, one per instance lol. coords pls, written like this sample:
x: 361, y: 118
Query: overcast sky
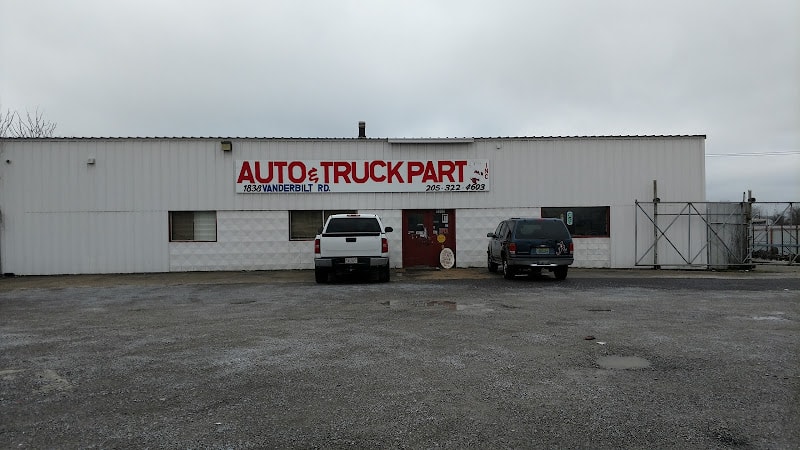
x: 729, y: 69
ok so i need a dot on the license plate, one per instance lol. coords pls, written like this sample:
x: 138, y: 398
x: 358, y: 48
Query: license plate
x: 542, y: 251
x: 351, y: 260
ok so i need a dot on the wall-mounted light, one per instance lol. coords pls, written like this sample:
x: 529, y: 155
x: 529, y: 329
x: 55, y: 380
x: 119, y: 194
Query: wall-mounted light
x: 226, y: 146
x: 90, y: 161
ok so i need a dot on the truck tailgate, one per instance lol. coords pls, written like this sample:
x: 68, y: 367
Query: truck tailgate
x: 350, y: 244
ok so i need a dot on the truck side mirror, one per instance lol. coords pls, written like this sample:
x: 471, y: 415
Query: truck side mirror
x: 389, y: 229
x: 491, y: 235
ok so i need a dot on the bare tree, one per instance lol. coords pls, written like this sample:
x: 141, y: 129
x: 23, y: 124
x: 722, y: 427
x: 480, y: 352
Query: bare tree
x: 6, y: 120
x: 31, y: 125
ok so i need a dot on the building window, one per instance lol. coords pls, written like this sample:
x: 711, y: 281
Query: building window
x: 304, y: 225
x: 583, y: 221
x: 193, y: 226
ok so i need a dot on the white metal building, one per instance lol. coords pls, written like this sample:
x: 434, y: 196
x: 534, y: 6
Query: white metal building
x: 124, y: 205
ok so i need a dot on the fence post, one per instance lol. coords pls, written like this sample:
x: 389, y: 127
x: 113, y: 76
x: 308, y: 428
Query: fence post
x: 655, y: 224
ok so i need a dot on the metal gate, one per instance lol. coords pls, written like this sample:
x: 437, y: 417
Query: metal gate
x: 716, y: 235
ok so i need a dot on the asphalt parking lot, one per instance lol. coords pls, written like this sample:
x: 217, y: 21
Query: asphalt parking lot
x: 433, y: 359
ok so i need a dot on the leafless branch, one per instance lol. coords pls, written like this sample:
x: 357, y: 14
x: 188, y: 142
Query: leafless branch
x: 32, y: 125
x: 6, y: 120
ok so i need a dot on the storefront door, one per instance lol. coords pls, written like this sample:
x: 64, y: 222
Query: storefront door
x: 426, y: 232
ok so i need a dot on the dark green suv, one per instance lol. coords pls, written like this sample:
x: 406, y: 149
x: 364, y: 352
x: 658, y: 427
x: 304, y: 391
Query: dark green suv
x: 530, y: 245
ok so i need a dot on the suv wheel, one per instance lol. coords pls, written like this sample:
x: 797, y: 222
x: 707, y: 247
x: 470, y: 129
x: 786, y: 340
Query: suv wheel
x: 508, y: 272
x: 560, y: 272
x: 492, y: 265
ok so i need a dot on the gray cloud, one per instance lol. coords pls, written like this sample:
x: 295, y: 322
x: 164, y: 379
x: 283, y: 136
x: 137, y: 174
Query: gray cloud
x: 727, y: 69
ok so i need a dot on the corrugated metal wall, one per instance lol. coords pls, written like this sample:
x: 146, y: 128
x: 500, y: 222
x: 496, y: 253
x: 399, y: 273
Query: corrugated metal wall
x: 61, y: 214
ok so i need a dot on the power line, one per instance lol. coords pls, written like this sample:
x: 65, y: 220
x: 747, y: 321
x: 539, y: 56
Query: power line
x: 781, y: 153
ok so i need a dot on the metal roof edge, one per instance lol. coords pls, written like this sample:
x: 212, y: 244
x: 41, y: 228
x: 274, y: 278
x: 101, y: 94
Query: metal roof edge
x: 151, y: 138
x: 431, y: 140
x: 428, y: 140
x: 604, y: 136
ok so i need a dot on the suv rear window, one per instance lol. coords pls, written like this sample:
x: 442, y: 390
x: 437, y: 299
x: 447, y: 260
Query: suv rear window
x: 353, y: 225
x: 541, y: 229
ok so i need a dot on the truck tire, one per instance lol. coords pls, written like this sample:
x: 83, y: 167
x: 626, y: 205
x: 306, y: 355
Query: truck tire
x: 321, y: 275
x: 560, y: 272
x: 384, y: 275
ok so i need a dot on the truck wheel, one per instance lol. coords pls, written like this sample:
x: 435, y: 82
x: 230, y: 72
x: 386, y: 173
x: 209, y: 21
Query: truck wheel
x: 508, y: 272
x: 560, y: 272
x: 384, y: 275
x: 321, y: 275
x: 491, y: 265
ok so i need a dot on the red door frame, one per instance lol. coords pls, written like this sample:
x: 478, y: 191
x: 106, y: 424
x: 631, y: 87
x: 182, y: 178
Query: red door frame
x: 425, y: 233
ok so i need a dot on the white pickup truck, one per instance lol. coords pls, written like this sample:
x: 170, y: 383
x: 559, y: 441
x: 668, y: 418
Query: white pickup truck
x: 351, y: 243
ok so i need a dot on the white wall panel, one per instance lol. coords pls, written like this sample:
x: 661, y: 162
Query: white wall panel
x: 246, y: 240
x: 192, y: 174
x: 87, y: 242
x: 50, y: 196
x: 592, y: 252
x: 623, y: 233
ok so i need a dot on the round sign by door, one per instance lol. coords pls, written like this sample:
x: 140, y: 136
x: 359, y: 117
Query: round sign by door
x: 447, y: 259
x: 441, y: 238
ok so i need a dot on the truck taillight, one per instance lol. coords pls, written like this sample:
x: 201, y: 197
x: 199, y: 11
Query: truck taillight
x: 571, y: 248
x: 512, y: 248
x: 316, y: 246
x: 384, y: 245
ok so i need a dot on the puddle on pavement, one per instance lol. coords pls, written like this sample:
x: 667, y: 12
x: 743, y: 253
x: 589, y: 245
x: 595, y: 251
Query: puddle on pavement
x: 623, y: 362
x: 447, y: 304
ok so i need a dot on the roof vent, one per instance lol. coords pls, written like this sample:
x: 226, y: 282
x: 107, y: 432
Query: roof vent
x: 362, y: 130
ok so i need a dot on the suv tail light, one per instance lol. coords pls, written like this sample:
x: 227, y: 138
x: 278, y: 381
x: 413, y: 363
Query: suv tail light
x: 512, y: 248
x: 384, y: 245
x: 571, y: 248
x: 316, y: 247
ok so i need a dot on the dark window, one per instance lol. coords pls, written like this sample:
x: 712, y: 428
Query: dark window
x: 354, y: 225
x: 193, y: 226
x: 505, y: 231
x: 304, y: 225
x: 540, y: 229
x: 582, y: 221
